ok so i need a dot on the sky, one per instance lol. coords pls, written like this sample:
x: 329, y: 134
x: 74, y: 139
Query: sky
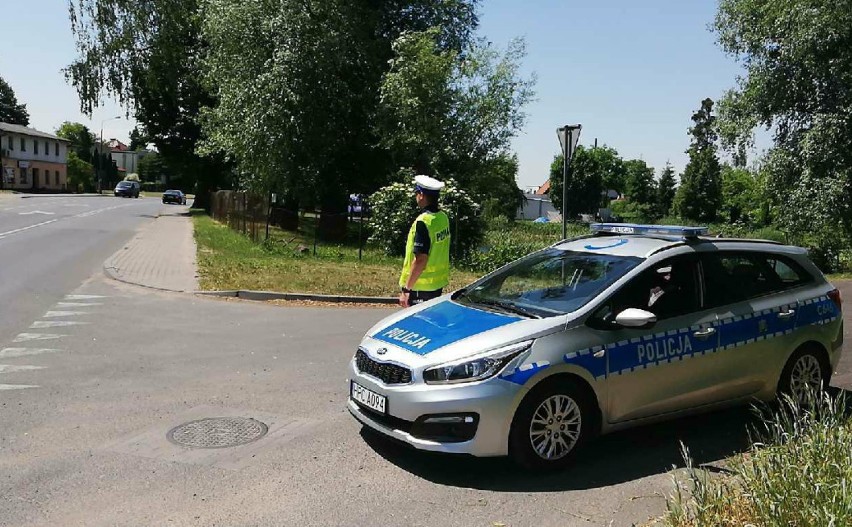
x: 632, y: 73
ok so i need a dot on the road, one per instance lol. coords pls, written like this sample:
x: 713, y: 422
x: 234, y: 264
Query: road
x: 106, y: 371
x: 50, y: 244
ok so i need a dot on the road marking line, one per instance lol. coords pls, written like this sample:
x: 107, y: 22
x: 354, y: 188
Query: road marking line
x: 3, y: 234
x: 36, y: 212
x: 10, y: 368
x: 23, y: 337
x: 6, y: 353
x: 78, y: 304
x: 41, y: 324
x: 17, y: 386
x: 51, y: 314
x: 83, y: 297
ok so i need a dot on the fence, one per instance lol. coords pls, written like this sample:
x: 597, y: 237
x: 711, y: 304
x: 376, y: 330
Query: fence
x: 257, y: 217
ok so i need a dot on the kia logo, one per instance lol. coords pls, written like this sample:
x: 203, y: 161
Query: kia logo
x: 381, y: 351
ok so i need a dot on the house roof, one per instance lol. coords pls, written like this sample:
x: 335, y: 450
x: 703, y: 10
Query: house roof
x: 32, y: 132
x: 544, y: 188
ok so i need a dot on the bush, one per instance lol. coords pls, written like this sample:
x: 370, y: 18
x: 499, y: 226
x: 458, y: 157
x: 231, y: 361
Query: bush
x: 394, y: 210
x: 631, y: 212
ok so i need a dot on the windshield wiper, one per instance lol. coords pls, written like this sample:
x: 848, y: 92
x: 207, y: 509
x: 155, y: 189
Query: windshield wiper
x: 506, y: 306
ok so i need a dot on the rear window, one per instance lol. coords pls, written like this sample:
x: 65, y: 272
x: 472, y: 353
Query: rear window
x: 736, y: 277
x: 124, y: 184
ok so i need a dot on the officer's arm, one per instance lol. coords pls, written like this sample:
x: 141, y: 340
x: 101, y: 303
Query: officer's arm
x: 417, y: 266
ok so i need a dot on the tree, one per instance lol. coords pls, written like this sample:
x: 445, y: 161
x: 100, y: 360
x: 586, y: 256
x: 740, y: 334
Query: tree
x: 152, y: 169
x: 10, y: 111
x: 585, y: 180
x: 138, y: 140
x: 640, y: 181
x: 148, y: 55
x: 80, y: 173
x: 82, y: 140
x: 700, y: 193
x: 666, y: 188
x: 798, y: 83
x: 739, y: 195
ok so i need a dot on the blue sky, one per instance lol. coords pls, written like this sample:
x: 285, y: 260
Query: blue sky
x: 630, y: 72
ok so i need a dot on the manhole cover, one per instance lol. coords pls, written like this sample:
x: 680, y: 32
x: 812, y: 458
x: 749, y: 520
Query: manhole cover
x: 217, y: 432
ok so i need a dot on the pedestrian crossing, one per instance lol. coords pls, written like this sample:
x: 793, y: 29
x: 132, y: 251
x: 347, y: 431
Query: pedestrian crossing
x: 31, y: 344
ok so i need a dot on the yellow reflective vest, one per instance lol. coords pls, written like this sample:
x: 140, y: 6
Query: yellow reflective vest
x: 436, y: 275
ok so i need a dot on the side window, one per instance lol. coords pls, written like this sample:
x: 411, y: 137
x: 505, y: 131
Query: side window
x: 736, y: 277
x: 668, y: 289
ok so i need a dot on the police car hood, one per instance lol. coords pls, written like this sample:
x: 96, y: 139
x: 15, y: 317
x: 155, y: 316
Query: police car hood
x: 444, y: 330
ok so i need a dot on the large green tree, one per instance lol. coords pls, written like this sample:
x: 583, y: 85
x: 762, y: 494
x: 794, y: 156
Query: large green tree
x: 699, y: 196
x: 82, y: 139
x: 152, y: 169
x: 798, y: 83
x: 148, y: 54
x: 585, y: 180
x: 10, y: 110
x: 80, y: 174
x: 453, y: 114
x: 640, y: 182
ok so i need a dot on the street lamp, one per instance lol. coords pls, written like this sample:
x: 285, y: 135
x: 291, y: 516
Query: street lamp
x: 568, y: 135
x: 101, y: 151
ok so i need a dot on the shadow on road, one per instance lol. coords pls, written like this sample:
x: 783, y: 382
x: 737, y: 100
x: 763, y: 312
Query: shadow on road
x: 608, y: 460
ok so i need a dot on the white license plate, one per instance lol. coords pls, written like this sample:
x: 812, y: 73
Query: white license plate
x: 368, y: 398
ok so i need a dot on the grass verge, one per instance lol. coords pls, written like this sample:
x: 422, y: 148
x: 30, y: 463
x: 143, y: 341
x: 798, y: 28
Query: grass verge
x: 228, y: 260
x: 797, y: 473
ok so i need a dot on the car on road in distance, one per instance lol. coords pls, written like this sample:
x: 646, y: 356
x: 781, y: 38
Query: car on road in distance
x: 129, y: 189
x: 628, y: 325
x: 174, y: 196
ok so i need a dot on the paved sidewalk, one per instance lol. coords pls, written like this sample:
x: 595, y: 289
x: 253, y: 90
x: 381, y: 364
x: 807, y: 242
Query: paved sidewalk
x: 161, y: 255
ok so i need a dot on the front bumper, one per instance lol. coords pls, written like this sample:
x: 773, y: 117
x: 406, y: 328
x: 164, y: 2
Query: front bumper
x: 493, y: 401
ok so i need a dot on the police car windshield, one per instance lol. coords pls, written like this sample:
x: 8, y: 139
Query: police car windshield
x: 548, y: 283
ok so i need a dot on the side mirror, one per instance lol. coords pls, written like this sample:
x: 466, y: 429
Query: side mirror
x: 635, y: 318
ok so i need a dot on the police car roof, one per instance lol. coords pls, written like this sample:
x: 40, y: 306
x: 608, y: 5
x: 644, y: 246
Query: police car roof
x: 626, y: 245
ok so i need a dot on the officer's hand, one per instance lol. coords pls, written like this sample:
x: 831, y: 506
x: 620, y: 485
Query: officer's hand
x: 403, y: 299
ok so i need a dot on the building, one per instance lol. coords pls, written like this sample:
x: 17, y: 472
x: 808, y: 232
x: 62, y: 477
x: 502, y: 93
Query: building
x: 32, y: 160
x: 126, y: 160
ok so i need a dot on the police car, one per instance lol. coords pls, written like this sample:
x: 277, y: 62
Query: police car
x: 631, y: 324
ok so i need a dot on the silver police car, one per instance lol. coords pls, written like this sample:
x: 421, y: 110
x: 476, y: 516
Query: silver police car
x: 631, y: 324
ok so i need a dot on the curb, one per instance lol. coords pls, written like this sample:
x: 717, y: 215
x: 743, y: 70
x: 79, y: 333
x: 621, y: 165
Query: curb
x: 60, y: 195
x: 272, y: 295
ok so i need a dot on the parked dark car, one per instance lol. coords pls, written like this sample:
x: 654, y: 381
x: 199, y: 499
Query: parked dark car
x: 129, y: 189
x: 174, y: 196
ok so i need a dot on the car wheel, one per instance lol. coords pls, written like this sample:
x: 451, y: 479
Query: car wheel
x: 805, y: 374
x: 551, y: 423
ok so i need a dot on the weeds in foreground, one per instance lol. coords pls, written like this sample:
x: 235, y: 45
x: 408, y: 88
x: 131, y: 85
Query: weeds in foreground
x: 798, y: 472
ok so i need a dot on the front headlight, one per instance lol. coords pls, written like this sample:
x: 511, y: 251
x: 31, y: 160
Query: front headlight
x: 476, y: 369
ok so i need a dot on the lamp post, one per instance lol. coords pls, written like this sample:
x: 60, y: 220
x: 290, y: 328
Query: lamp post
x: 568, y: 137
x: 101, y: 150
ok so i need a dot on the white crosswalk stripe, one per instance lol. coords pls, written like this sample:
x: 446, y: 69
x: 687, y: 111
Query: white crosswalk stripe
x: 12, y: 368
x: 53, y: 314
x: 7, y: 353
x: 83, y: 297
x: 17, y: 386
x: 25, y: 337
x: 78, y: 304
x: 41, y: 324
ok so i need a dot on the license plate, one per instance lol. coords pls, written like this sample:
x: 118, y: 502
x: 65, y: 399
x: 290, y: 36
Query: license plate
x: 368, y: 398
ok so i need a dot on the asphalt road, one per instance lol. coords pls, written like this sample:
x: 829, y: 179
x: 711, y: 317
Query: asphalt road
x: 111, y: 369
x: 50, y: 244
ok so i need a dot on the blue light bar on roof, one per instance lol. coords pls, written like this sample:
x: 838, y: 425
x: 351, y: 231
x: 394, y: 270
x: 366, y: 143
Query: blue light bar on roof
x: 633, y: 228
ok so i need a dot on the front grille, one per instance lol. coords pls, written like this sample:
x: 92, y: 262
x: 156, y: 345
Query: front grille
x: 387, y: 372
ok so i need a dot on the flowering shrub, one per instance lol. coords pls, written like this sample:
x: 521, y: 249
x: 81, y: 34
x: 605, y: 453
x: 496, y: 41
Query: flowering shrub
x: 394, y: 209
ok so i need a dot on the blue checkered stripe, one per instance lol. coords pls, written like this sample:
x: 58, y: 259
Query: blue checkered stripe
x: 649, y: 351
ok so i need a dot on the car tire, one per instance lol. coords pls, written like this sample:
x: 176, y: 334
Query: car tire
x: 552, y: 422
x: 806, y: 369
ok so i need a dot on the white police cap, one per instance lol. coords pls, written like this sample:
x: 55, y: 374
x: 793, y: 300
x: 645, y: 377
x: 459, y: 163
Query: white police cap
x: 427, y: 184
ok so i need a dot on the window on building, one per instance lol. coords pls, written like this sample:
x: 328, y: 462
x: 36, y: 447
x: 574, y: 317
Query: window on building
x: 11, y: 173
x: 46, y: 148
x: 35, y: 146
x: 23, y: 145
x: 56, y: 149
x: 57, y: 178
x: 11, y: 143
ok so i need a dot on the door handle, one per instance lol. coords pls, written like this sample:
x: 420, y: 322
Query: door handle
x: 704, y: 333
x: 598, y: 354
x: 784, y: 315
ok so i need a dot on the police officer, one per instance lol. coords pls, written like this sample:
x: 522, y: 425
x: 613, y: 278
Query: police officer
x: 426, y: 269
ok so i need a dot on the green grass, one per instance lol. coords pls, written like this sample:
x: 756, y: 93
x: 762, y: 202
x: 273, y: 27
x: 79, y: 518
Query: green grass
x: 229, y: 260
x: 797, y: 473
